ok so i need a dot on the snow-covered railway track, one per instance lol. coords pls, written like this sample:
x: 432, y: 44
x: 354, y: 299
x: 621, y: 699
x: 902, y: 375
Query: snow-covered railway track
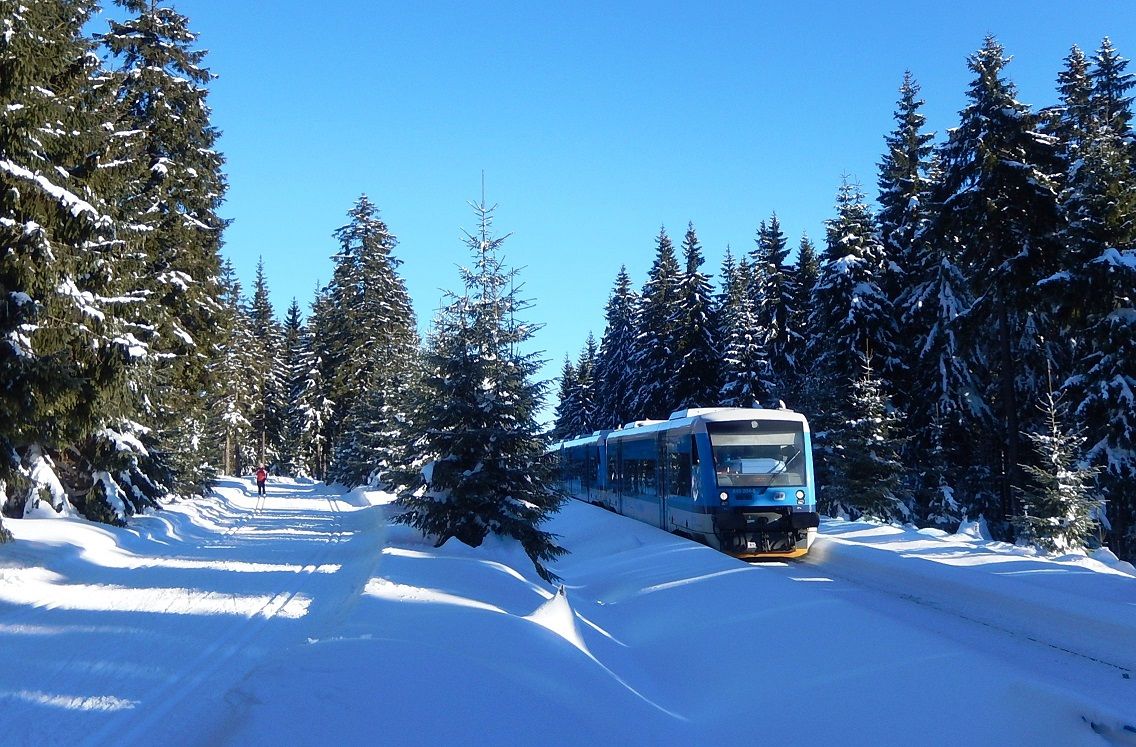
x: 1062, y: 645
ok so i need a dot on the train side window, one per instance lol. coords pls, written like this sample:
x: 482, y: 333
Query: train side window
x: 693, y: 451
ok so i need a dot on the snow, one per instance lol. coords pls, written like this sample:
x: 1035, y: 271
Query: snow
x: 305, y: 617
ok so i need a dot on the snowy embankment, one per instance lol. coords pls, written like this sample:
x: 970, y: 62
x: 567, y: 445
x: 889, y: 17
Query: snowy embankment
x: 304, y: 618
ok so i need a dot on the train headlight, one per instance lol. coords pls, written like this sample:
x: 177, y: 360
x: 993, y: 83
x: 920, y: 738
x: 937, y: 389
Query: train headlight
x: 724, y: 497
x: 800, y: 496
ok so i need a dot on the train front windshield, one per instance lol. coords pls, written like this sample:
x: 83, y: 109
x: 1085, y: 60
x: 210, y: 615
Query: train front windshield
x: 758, y: 453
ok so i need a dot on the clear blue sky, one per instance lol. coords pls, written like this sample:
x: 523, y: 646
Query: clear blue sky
x: 594, y: 123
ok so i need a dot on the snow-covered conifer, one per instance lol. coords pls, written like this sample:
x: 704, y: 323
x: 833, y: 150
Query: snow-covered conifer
x: 653, y: 360
x: 268, y: 379
x: 1060, y: 507
x: 613, y: 360
x: 371, y: 348
x: 869, y: 476
x: 69, y: 350
x: 997, y: 203
x: 477, y: 447
x: 747, y: 378
x: 772, y: 292
x: 231, y: 368
x: 695, y: 349
x: 173, y: 188
x: 564, y: 416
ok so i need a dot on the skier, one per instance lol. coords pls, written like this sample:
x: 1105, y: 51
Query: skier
x: 261, y: 476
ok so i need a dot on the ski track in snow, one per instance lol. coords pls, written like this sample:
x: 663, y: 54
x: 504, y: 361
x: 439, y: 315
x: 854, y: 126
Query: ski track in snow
x: 167, y: 672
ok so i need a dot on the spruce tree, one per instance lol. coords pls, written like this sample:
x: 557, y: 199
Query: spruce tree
x: 695, y: 349
x: 295, y: 361
x: 997, y: 203
x: 904, y: 193
x: 582, y: 394
x: 69, y: 351
x: 772, y: 292
x: 804, y: 274
x: 852, y: 317
x: 373, y: 348
x: 564, y: 426
x: 1098, y: 207
x: 313, y: 409
x: 869, y: 473
x: 747, y: 377
x: 268, y: 379
x: 1060, y: 507
x: 173, y: 189
x: 231, y: 370
x: 653, y: 359
x: 478, y: 446
x: 614, y: 373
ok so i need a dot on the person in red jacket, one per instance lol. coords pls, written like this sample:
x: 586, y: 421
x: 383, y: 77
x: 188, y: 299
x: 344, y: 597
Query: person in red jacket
x: 261, y: 476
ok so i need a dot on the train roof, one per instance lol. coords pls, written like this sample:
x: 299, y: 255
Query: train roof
x: 682, y: 418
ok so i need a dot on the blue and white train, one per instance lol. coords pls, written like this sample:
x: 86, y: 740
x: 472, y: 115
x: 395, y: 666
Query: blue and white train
x: 739, y: 480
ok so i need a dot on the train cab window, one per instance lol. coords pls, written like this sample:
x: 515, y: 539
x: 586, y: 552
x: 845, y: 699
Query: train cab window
x: 758, y: 453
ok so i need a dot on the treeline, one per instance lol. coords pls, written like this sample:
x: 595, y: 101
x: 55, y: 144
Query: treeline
x: 966, y: 349
x: 133, y: 365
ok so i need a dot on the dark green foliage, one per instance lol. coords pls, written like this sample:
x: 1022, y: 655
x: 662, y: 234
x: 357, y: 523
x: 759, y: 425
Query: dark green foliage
x: 69, y: 350
x: 576, y: 414
x: 268, y: 379
x: 478, y: 463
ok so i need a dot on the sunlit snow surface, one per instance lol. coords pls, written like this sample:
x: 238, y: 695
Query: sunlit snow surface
x: 305, y: 618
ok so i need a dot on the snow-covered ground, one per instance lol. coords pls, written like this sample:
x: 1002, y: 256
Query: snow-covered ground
x: 303, y: 618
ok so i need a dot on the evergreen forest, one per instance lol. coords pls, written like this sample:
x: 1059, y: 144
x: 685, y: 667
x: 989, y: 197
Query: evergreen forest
x: 963, y: 348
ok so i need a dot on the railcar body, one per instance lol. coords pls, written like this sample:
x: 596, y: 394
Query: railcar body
x: 739, y: 480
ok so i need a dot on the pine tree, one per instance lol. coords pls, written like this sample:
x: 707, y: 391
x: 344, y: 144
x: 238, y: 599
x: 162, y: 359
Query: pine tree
x: 69, y: 353
x: 313, y: 409
x: 582, y: 393
x: 1059, y: 504
x: 173, y: 189
x: 696, y: 377
x: 853, y: 318
x: 998, y: 205
x: 613, y: 360
x: 653, y: 360
x: 478, y: 444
